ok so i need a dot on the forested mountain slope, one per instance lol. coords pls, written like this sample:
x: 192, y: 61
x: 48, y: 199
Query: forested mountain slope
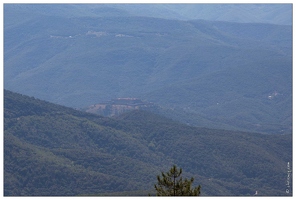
x: 216, y: 74
x: 54, y: 150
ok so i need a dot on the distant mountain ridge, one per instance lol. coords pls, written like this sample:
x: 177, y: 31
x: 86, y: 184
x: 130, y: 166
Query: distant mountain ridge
x: 52, y: 150
x: 241, y: 13
x: 216, y: 74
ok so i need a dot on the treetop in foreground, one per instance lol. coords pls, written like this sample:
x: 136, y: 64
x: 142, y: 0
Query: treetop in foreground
x: 172, y: 184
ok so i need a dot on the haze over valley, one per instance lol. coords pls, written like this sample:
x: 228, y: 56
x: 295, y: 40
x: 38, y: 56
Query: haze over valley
x: 124, y: 79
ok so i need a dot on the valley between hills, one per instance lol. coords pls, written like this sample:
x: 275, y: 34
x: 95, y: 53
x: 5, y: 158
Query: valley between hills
x: 99, y: 99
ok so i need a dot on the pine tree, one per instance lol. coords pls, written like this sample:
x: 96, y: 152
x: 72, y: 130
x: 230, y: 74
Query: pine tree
x: 172, y: 184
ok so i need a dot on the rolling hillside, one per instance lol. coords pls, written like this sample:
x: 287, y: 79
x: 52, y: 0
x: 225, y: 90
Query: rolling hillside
x: 53, y: 150
x: 213, y: 74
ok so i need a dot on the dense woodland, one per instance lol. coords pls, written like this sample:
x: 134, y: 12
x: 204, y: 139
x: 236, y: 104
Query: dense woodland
x: 53, y: 150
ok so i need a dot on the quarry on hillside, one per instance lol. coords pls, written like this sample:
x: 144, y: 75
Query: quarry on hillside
x: 118, y: 106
